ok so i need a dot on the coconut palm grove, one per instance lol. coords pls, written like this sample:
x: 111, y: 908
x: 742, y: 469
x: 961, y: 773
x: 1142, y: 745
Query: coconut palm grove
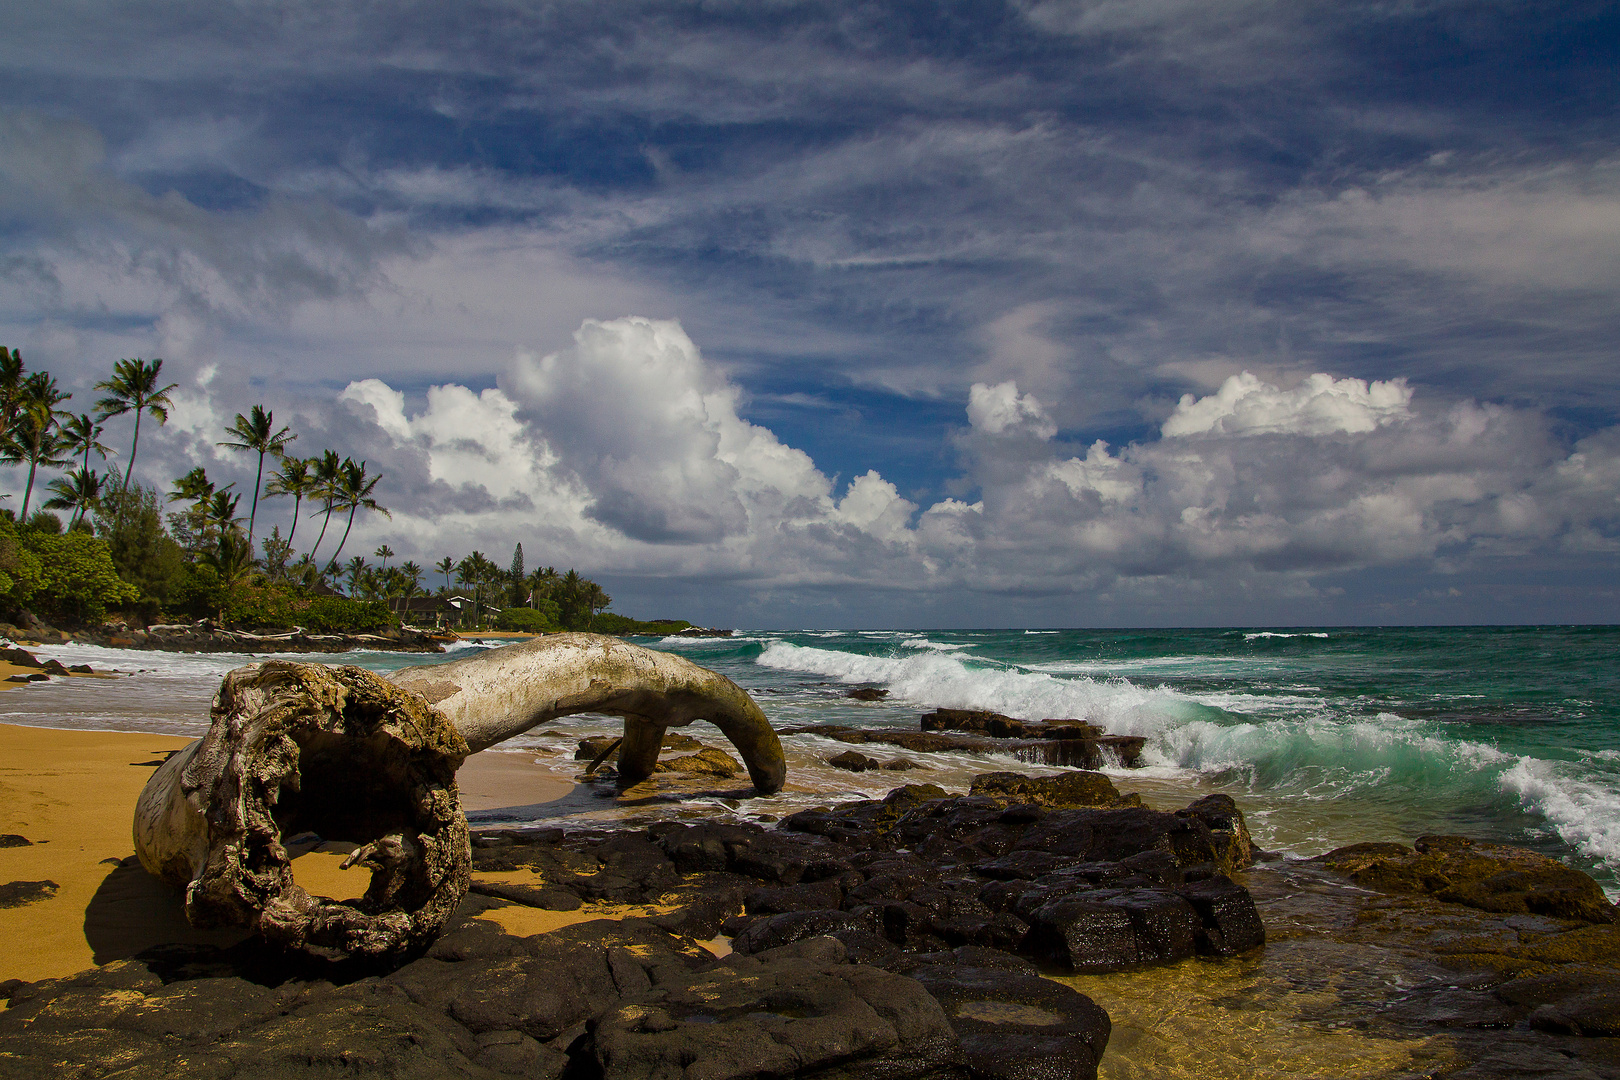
x: 89, y: 545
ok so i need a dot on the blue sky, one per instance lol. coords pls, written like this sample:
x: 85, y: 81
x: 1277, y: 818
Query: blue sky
x: 1071, y: 312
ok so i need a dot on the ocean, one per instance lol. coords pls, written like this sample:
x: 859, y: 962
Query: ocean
x: 1324, y: 736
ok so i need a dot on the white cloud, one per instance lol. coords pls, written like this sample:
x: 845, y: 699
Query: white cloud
x: 998, y: 410
x: 1321, y: 405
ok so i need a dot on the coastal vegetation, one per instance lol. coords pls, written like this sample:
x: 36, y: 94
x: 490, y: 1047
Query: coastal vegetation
x: 130, y: 552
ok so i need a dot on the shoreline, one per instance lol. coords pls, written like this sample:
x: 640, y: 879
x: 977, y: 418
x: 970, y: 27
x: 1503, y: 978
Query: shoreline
x: 1314, y: 998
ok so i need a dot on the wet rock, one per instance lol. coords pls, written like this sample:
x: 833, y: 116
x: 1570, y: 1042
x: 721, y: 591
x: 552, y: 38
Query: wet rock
x: 709, y: 761
x: 516, y: 1054
x: 1112, y: 929
x: 774, y: 931
x: 1489, y: 877
x: 1085, y: 753
x: 590, y: 749
x: 545, y: 897
x: 780, y: 1015
x: 854, y: 761
x: 806, y: 896
x: 1596, y: 1013
x: 1015, y: 1025
x: 14, y: 840
x: 20, y: 657
x: 867, y: 693
x: 903, y: 765
x: 1228, y: 921
x: 1063, y: 790
x: 997, y: 726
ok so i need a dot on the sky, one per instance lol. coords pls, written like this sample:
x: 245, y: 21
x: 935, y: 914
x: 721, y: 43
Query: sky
x: 781, y: 314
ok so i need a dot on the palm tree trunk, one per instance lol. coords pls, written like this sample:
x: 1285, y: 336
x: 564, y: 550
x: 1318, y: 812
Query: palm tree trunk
x: 298, y: 500
x: 321, y: 537
x: 29, y: 491
x: 254, y: 513
x: 345, y: 539
x: 133, y: 444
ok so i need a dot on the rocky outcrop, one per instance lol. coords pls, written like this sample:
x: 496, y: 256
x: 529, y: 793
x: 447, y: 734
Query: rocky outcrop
x: 1490, y: 877
x: 1087, y: 752
x: 204, y: 636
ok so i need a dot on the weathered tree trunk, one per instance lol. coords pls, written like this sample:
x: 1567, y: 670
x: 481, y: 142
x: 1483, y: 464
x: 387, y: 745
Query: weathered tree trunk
x: 306, y: 748
x: 497, y: 694
x: 348, y: 755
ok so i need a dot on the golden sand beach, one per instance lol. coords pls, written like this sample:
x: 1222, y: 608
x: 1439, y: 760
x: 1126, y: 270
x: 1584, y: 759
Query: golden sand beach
x: 72, y: 794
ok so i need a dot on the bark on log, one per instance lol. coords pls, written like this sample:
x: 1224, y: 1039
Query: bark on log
x: 346, y: 754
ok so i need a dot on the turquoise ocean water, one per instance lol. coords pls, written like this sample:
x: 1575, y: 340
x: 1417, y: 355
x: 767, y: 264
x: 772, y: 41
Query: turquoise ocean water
x: 1325, y: 736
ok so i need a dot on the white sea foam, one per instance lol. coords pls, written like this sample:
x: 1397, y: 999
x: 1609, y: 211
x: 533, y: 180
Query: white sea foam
x: 937, y: 646
x: 939, y: 680
x: 1272, y: 634
x: 1581, y: 802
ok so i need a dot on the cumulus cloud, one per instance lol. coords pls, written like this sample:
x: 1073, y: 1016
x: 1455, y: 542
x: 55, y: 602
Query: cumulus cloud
x: 1321, y: 405
x: 995, y: 410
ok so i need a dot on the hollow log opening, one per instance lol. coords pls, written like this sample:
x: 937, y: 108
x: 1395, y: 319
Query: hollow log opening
x: 339, y: 752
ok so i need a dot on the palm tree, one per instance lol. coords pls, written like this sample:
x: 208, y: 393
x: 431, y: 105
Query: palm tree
x: 444, y: 566
x: 471, y: 571
x: 79, y: 491
x: 81, y: 434
x: 220, y: 512
x: 35, y: 436
x: 231, y: 556
x: 134, y: 388
x: 384, y: 553
x: 356, y: 568
x: 11, y: 382
x: 194, y: 487
x: 327, y: 469
x: 410, y: 582
x: 354, y: 492
x: 595, y: 599
x: 296, y: 479
x: 256, y: 431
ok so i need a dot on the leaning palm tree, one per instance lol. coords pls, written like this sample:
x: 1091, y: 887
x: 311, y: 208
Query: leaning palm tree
x: 294, y: 478
x: 79, y: 491
x: 82, y: 435
x: 354, y: 493
x: 134, y: 388
x: 327, y: 470
x: 256, y: 431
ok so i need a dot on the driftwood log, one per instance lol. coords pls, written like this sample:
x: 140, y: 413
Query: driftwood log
x: 349, y: 755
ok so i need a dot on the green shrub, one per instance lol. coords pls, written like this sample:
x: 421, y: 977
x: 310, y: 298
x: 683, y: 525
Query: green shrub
x: 526, y: 620
x: 340, y: 615
x: 611, y: 623
x: 68, y: 574
x: 144, y: 554
x: 263, y: 609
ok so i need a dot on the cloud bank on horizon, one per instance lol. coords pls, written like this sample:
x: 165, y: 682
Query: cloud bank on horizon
x: 1069, y: 311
